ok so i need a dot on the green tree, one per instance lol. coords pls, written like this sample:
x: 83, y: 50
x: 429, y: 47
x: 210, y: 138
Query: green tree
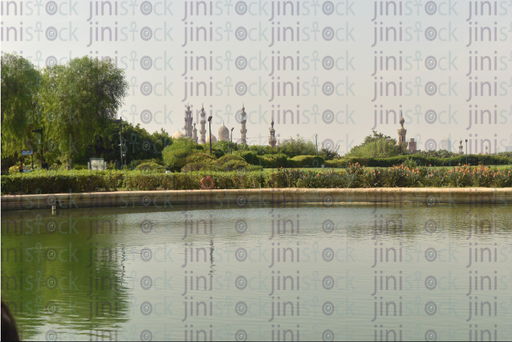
x: 377, y: 145
x: 21, y: 82
x: 79, y: 102
x: 296, y: 147
x: 175, y: 155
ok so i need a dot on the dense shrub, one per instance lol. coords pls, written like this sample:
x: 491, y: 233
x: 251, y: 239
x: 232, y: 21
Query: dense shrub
x: 276, y: 161
x: 354, y: 176
x: 233, y: 162
x: 422, y: 161
x: 175, y: 159
x: 199, y: 158
x: 335, y: 163
x: 308, y: 161
x: 62, y: 182
x: 153, y: 160
x: 192, y: 167
x: 228, y: 162
x: 229, y: 157
x: 250, y: 157
x: 150, y: 167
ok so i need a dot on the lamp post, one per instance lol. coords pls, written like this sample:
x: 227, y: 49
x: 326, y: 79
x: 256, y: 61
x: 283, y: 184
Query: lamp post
x: 40, y: 130
x: 316, y: 144
x: 210, y: 126
x: 120, y: 122
x: 466, y: 151
x: 231, y: 145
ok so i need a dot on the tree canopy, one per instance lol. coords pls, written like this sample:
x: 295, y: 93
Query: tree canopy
x: 377, y: 145
x: 74, y: 105
x: 21, y: 82
x: 78, y: 98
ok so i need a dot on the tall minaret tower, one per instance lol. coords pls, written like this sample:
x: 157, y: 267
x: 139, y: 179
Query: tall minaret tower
x: 203, y: 128
x: 244, y: 129
x: 272, y: 140
x: 188, y: 123
x: 401, y: 132
x: 194, y: 133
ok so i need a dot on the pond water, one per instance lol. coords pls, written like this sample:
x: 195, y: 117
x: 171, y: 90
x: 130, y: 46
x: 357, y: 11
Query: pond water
x: 306, y: 273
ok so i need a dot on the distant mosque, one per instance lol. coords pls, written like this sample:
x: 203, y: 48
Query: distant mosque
x: 411, y: 145
x: 223, y: 132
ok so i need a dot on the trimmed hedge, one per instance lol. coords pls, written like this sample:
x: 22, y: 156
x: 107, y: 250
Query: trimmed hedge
x: 308, y: 161
x: 430, y: 161
x: 228, y: 162
x: 47, y: 182
x: 276, y: 161
x: 150, y: 167
x: 355, y: 176
x: 250, y: 157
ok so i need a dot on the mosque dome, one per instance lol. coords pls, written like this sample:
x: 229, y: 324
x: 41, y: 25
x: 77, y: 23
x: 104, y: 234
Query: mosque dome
x: 223, y: 133
x: 177, y: 135
x: 214, y: 140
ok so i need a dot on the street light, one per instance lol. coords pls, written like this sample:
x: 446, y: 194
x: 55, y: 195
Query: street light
x: 210, y: 125
x: 231, y: 146
x: 40, y: 130
x: 316, y: 143
x: 466, y: 151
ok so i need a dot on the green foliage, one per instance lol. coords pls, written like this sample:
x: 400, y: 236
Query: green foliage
x: 410, y: 163
x: 375, y: 146
x: 260, y: 150
x: 295, y: 147
x: 195, y: 166
x: 355, y: 176
x: 437, y: 154
x: 420, y: 160
x: 228, y: 162
x: 199, y: 157
x: 175, y: 159
x: 328, y: 153
x: 308, y: 161
x: 250, y: 157
x: 80, y: 98
x: 61, y: 181
x: 21, y: 83
x: 229, y: 157
x: 150, y: 167
x: 231, y: 162
x: 276, y: 161
x: 174, y: 155
x: 138, y: 144
x: 335, y: 163
x: 153, y: 160
x: 223, y: 146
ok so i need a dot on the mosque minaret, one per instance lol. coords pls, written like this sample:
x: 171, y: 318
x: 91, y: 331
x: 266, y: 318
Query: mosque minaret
x: 188, y: 122
x: 194, y: 133
x: 203, y: 128
x: 243, y: 130
x: 272, y: 139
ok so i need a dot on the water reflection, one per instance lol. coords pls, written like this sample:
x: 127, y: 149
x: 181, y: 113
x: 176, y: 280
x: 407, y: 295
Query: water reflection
x: 224, y: 274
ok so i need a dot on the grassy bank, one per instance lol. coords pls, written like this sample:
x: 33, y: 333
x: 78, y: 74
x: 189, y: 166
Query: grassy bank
x: 354, y: 176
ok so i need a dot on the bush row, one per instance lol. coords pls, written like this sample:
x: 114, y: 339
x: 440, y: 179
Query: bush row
x: 354, y: 176
x: 303, y: 161
x: 421, y: 161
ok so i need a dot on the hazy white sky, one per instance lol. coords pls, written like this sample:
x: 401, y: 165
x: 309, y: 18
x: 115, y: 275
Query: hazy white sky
x: 330, y: 86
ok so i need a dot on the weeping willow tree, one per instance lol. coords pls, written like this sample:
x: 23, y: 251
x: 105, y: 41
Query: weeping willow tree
x: 79, y: 101
x: 21, y: 82
x: 73, y: 104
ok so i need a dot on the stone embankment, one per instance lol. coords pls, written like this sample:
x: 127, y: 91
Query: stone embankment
x: 265, y: 198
